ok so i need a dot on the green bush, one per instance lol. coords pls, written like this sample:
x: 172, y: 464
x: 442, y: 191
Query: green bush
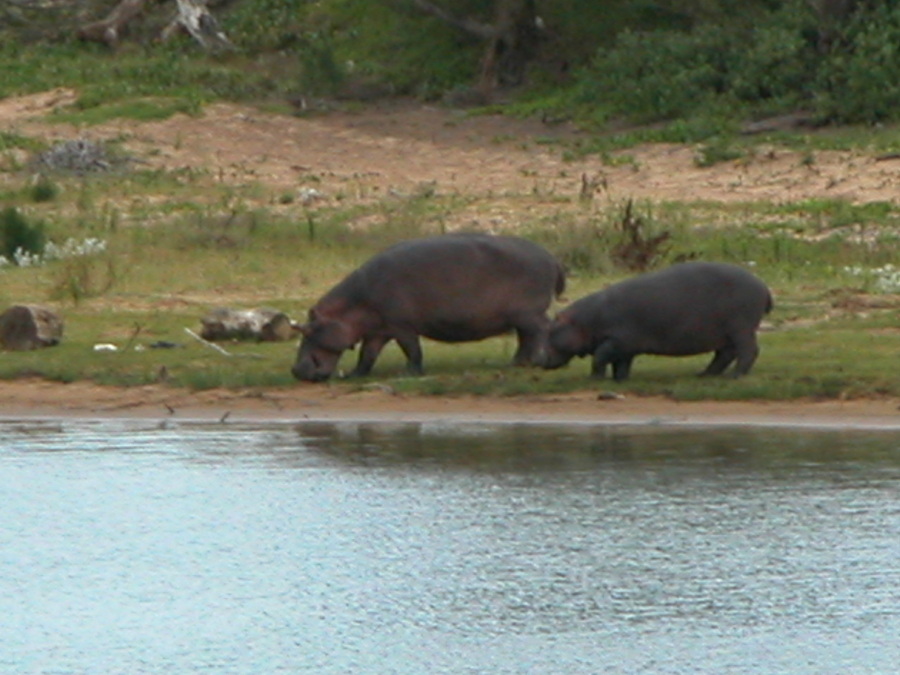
x: 860, y: 80
x: 768, y: 64
x: 655, y: 76
x: 18, y: 234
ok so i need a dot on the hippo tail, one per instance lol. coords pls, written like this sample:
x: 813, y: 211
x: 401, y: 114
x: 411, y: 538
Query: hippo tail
x: 560, y: 280
x: 770, y: 304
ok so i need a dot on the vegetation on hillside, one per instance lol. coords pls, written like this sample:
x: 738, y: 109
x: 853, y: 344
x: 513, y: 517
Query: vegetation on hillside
x: 708, y: 62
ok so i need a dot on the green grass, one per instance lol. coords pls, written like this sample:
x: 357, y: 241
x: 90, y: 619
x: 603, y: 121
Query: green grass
x: 813, y: 349
x: 180, y: 243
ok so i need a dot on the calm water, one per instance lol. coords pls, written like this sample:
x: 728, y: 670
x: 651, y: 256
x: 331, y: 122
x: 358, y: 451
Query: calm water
x: 429, y: 548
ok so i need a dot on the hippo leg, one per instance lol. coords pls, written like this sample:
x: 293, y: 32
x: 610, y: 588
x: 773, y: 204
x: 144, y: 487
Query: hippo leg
x: 720, y: 361
x: 747, y: 351
x: 606, y: 353
x: 412, y: 348
x: 532, y: 340
x: 621, y: 368
x: 371, y: 348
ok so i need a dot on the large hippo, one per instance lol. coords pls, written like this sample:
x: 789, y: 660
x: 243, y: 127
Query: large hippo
x: 689, y: 308
x: 450, y: 288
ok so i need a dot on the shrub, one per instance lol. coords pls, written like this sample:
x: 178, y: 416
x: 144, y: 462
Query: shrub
x: 768, y: 63
x: 18, y: 235
x: 860, y: 80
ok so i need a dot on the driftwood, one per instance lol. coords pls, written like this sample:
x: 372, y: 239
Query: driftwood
x: 25, y: 327
x: 262, y: 325
x: 193, y: 17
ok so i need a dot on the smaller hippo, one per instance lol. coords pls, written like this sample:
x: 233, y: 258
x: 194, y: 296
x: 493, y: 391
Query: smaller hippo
x: 686, y: 309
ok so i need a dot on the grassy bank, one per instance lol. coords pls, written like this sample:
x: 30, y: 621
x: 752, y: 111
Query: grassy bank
x: 153, y: 251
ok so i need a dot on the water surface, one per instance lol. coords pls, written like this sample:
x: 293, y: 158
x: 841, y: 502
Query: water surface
x: 130, y: 547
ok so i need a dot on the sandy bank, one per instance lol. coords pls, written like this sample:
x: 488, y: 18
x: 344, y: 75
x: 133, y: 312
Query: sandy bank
x: 33, y: 399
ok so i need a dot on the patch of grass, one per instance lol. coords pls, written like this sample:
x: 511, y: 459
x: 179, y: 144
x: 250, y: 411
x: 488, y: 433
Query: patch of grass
x: 89, y: 112
x: 13, y: 141
x: 181, y: 243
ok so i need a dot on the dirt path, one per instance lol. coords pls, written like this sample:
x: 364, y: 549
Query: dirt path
x: 400, y: 147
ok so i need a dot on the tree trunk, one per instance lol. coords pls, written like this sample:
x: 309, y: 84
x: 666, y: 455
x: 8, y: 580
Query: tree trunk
x: 513, y: 40
x: 194, y: 17
x: 513, y: 46
x: 832, y: 15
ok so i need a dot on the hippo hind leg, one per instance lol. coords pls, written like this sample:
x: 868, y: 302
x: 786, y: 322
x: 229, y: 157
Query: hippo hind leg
x: 720, y: 361
x: 747, y: 351
x: 532, y: 338
x: 743, y: 350
x: 412, y: 348
x: 621, y: 368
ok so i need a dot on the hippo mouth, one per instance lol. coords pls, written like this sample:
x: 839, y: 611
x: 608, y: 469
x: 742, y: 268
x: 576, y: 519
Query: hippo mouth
x: 554, y: 359
x: 309, y: 370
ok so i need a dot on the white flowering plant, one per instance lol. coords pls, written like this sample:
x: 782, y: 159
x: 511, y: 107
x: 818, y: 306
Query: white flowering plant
x: 71, y: 248
x: 884, y: 279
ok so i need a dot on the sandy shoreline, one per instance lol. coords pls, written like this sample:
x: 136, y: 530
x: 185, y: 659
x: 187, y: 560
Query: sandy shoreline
x: 37, y: 399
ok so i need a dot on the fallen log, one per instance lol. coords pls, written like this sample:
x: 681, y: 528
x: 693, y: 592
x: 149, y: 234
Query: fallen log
x: 262, y: 325
x: 26, y: 327
x: 193, y: 17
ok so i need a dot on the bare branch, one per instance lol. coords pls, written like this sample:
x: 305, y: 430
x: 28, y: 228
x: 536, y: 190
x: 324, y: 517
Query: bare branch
x: 482, y: 30
x: 108, y: 30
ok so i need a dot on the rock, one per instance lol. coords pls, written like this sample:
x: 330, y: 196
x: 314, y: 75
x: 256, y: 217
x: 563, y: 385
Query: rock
x: 25, y: 327
x: 264, y: 325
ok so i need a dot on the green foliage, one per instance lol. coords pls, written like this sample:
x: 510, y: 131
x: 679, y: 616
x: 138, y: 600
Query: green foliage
x: 83, y: 277
x: 12, y: 141
x: 716, y: 68
x: 716, y: 150
x: 699, y: 67
x: 860, y: 81
x: 19, y: 234
x: 267, y: 25
x: 180, y: 82
x: 44, y: 190
x: 649, y: 77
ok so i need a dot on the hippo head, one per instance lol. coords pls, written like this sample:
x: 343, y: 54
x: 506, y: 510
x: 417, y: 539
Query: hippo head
x: 324, y: 340
x: 564, y: 340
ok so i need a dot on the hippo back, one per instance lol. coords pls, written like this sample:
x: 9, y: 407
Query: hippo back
x: 686, y: 308
x: 456, y: 287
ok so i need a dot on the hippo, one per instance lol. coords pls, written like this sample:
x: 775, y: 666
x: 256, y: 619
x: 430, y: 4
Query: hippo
x: 688, y: 308
x: 449, y: 288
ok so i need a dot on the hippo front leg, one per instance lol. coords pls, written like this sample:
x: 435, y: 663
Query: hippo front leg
x: 368, y: 352
x: 609, y: 352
